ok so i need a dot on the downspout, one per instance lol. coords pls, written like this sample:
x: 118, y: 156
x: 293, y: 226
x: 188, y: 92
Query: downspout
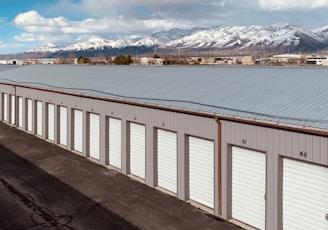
x: 217, y: 120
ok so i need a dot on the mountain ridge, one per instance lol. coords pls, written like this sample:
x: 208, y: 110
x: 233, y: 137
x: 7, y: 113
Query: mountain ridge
x: 277, y: 36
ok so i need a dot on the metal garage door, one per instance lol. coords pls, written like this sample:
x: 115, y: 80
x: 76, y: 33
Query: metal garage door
x: 39, y: 118
x: 167, y: 160
x: 94, y: 133
x: 63, y: 125
x: 78, y: 130
x: 305, y: 196
x: 13, y: 109
x: 20, y: 112
x: 51, y: 122
x: 248, y: 187
x: 137, y: 150
x: 114, y: 142
x: 5, y: 107
x: 29, y: 115
x: 201, y: 171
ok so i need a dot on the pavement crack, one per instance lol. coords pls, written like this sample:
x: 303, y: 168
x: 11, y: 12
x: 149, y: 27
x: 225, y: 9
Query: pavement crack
x: 40, y: 216
x: 34, y: 189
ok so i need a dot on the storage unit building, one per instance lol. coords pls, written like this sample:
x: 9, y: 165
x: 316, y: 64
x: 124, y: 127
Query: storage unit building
x: 249, y: 145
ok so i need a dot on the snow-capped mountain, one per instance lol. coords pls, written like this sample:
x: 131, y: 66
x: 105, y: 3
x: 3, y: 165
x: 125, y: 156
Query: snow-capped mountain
x: 276, y: 36
x: 243, y: 37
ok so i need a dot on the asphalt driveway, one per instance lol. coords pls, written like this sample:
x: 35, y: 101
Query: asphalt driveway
x: 43, y: 186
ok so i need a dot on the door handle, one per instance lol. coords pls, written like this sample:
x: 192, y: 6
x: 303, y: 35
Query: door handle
x: 327, y: 216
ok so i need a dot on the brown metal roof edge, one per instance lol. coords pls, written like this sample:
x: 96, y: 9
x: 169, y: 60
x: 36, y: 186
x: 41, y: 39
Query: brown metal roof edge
x: 189, y: 112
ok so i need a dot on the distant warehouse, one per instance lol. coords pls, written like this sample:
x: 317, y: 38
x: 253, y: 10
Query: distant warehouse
x: 248, y: 144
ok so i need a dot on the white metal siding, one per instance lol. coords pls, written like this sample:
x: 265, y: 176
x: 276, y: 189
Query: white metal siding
x: 39, y: 122
x: 305, y: 196
x: 115, y: 142
x: 20, y: 112
x: 137, y: 150
x: 63, y: 125
x: 248, y: 187
x: 13, y: 110
x: 167, y: 160
x: 78, y: 129
x: 94, y: 133
x: 51, y: 122
x: 29, y: 115
x: 201, y: 171
x: 5, y: 107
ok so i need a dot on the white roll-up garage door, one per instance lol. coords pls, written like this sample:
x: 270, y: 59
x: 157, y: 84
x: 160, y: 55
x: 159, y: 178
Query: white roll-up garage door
x: 51, y: 122
x: 78, y: 130
x: 63, y: 125
x: 29, y: 115
x: 201, y: 171
x: 20, y: 112
x: 5, y: 107
x: 39, y: 118
x: 167, y: 160
x: 115, y: 144
x: 305, y: 196
x: 94, y: 135
x: 248, y: 187
x: 137, y: 150
x: 13, y: 110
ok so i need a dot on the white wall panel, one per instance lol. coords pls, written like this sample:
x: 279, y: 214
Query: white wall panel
x: 29, y: 115
x: 201, y: 171
x: 305, y: 196
x: 12, y: 110
x: 39, y: 121
x: 63, y: 125
x: 248, y: 187
x: 5, y: 107
x: 78, y: 130
x: 51, y: 122
x: 167, y: 160
x: 115, y: 142
x: 137, y: 150
x: 94, y: 136
x: 20, y: 112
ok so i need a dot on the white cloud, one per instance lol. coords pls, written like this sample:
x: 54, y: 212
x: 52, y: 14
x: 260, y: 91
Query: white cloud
x: 38, y: 28
x: 292, y: 4
x: 3, y: 19
x: 3, y: 45
x: 10, y: 48
x: 43, y: 38
x: 113, y: 19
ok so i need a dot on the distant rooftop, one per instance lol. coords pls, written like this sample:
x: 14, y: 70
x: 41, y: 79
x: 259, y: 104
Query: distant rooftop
x: 287, y: 95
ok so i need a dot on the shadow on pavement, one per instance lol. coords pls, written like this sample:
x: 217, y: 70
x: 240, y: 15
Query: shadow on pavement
x: 30, y: 198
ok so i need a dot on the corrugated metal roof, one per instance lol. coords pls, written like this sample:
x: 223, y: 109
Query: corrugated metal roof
x: 7, y: 67
x: 288, y: 95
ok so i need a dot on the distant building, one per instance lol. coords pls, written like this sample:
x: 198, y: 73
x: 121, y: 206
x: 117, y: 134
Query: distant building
x: 316, y: 60
x: 285, y: 58
x: 11, y: 62
x: 227, y: 60
x: 151, y: 61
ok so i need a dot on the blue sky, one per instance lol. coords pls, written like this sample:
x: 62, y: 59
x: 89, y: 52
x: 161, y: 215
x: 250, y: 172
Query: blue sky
x: 26, y: 24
